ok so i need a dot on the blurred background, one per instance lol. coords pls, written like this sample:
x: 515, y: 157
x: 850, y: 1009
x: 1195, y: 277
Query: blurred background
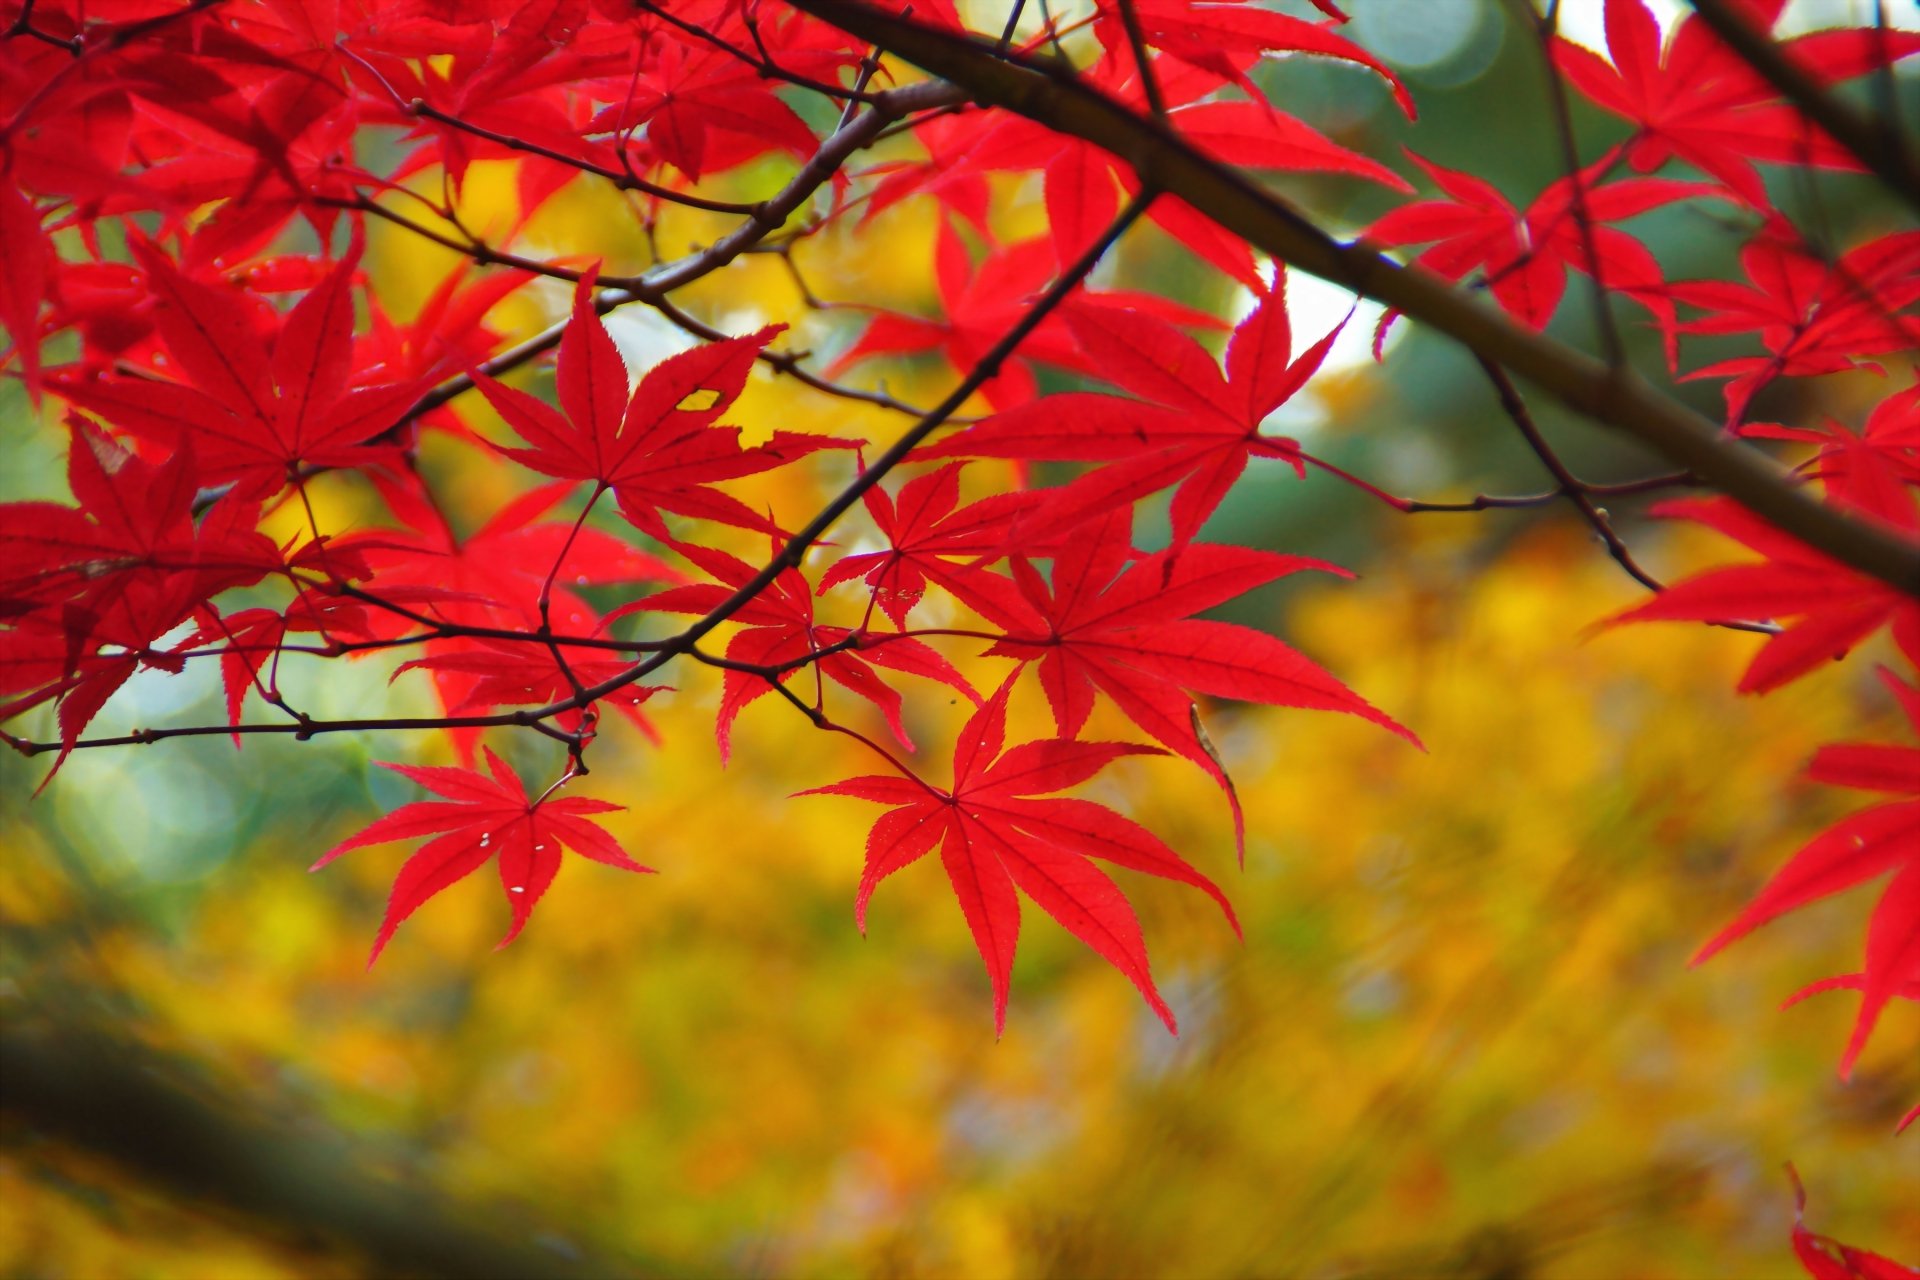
x: 1460, y: 1038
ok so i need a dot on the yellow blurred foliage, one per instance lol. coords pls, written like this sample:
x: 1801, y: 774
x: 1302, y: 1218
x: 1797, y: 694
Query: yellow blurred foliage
x: 1461, y: 1025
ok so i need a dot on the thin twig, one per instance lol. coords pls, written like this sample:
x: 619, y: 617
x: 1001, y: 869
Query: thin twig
x: 623, y: 180
x: 1577, y: 494
x: 1143, y: 63
x: 1605, y: 326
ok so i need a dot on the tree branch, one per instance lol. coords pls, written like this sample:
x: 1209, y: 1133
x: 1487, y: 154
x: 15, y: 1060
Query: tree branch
x: 1053, y: 97
x: 158, y: 1116
x: 653, y: 286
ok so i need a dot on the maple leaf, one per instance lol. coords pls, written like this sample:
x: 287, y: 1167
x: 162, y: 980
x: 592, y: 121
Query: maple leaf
x: 494, y: 577
x: 929, y: 535
x: 495, y: 574
x: 90, y: 592
x: 481, y: 818
x: 518, y: 673
x: 77, y: 664
x: 75, y: 141
x: 997, y: 834
x: 687, y: 95
x: 249, y: 652
x: 1191, y: 426
x: 1082, y: 183
x: 134, y: 520
x: 1832, y: 608
x: 94, y: 587
x: 249, y: 641
x: 269, y: 131
x: 1858, y: 982
x: 959, y: 187
x: 781, y: 633
x: 1858, y: 848
x: 1825, y: 1258
x: 1698, y: 100
x: 523, y: 81
x: 1224, y: 40
x: 1812, y: 316
x: 448, y: 335
x: 1525, y: 257
x: 658, y: 449
x: 1124, y: 629
x: 1881, y: 457
x: 250, y: 417
x: 979, y: 304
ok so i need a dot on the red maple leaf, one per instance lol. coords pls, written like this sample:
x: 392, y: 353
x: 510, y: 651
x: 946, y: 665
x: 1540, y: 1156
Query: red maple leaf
x: 929, y: 534
x: 1225, y: 40
x: 782, y: 633
x: 1883, y: 455
x: 980, y: 303
x: 249, y: 646
x: 1082, y: 183
x: 24, y: 274
x: 494, y: 578
x: 480, y: 818
x: 526, y: 80
x: 250, y: 417
x: 945, y: 175
x: 89, y: 600
x: 1126, y: 630
x: 1698, y: 100
x: 1525, y: 257
x: 1828, y: 1259
x: 703, y: 108
x: 997, y: 835
x: 658, y: 449
x: 1812, y: 315
x: 519, y: 673
x: 494, y: 575
x: 91, y: 590
x: 134, y: 521
x: 447, y: 335
x: 1827, y: 607
x: 1865, y: 845
x: 1190, y: 426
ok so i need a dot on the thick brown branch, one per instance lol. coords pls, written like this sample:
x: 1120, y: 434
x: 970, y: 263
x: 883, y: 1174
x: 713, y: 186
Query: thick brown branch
x: 1052, y: 97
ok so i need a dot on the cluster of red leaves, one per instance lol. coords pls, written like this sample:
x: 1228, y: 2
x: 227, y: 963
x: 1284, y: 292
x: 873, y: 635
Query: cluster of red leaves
x: 199, y: 405
x: 158, y: 157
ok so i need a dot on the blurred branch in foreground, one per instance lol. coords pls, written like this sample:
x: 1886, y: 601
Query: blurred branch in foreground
x: 161, y: 1117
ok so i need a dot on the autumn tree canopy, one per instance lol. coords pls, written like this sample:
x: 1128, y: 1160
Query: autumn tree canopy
x: 203, y: 202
